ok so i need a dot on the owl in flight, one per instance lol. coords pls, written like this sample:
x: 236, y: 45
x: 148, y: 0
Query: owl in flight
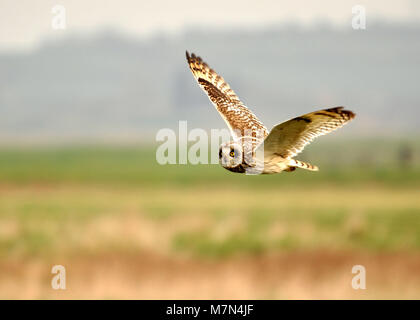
x: 254, y: 150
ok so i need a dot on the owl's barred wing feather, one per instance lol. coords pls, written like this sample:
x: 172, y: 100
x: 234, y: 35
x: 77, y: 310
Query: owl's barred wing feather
x: 289, y: 138
x: 238, y: 117
x: 201, y: 70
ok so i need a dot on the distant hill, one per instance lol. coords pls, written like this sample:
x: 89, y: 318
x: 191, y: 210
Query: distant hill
x: 109, y: 85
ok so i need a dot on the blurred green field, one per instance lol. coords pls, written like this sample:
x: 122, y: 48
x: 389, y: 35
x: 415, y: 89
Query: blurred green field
x: 341, y: 162
x: 126, y: 227
x: 85, y: 199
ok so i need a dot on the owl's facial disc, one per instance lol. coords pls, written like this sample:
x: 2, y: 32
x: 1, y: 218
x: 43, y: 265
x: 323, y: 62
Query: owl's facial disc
x: 230, y: 155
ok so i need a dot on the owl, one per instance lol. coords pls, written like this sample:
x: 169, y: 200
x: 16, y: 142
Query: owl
x: 253, y: 149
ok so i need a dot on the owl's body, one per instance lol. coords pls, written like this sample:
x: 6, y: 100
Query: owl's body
x: 248, y: 159
x: 254, y: 150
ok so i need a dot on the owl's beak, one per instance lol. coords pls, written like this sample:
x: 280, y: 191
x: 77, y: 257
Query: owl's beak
x: 223, y: 161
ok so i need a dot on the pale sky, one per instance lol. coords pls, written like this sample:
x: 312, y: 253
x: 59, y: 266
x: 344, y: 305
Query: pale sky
x: 24, y: 23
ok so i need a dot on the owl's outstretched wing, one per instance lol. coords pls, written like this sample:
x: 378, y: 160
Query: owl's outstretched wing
x: 289, y: 138
x: 238, y: 117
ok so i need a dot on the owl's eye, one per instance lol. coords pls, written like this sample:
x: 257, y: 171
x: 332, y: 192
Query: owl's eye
x: 232, y: 153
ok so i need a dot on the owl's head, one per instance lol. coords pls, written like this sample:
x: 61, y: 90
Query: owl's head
x: 230, y: 155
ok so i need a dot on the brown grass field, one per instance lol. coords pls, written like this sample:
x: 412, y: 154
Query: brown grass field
x: 145, y: 275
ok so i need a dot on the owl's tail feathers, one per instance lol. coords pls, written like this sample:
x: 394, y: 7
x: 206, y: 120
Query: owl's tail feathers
x: 293, y: 163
